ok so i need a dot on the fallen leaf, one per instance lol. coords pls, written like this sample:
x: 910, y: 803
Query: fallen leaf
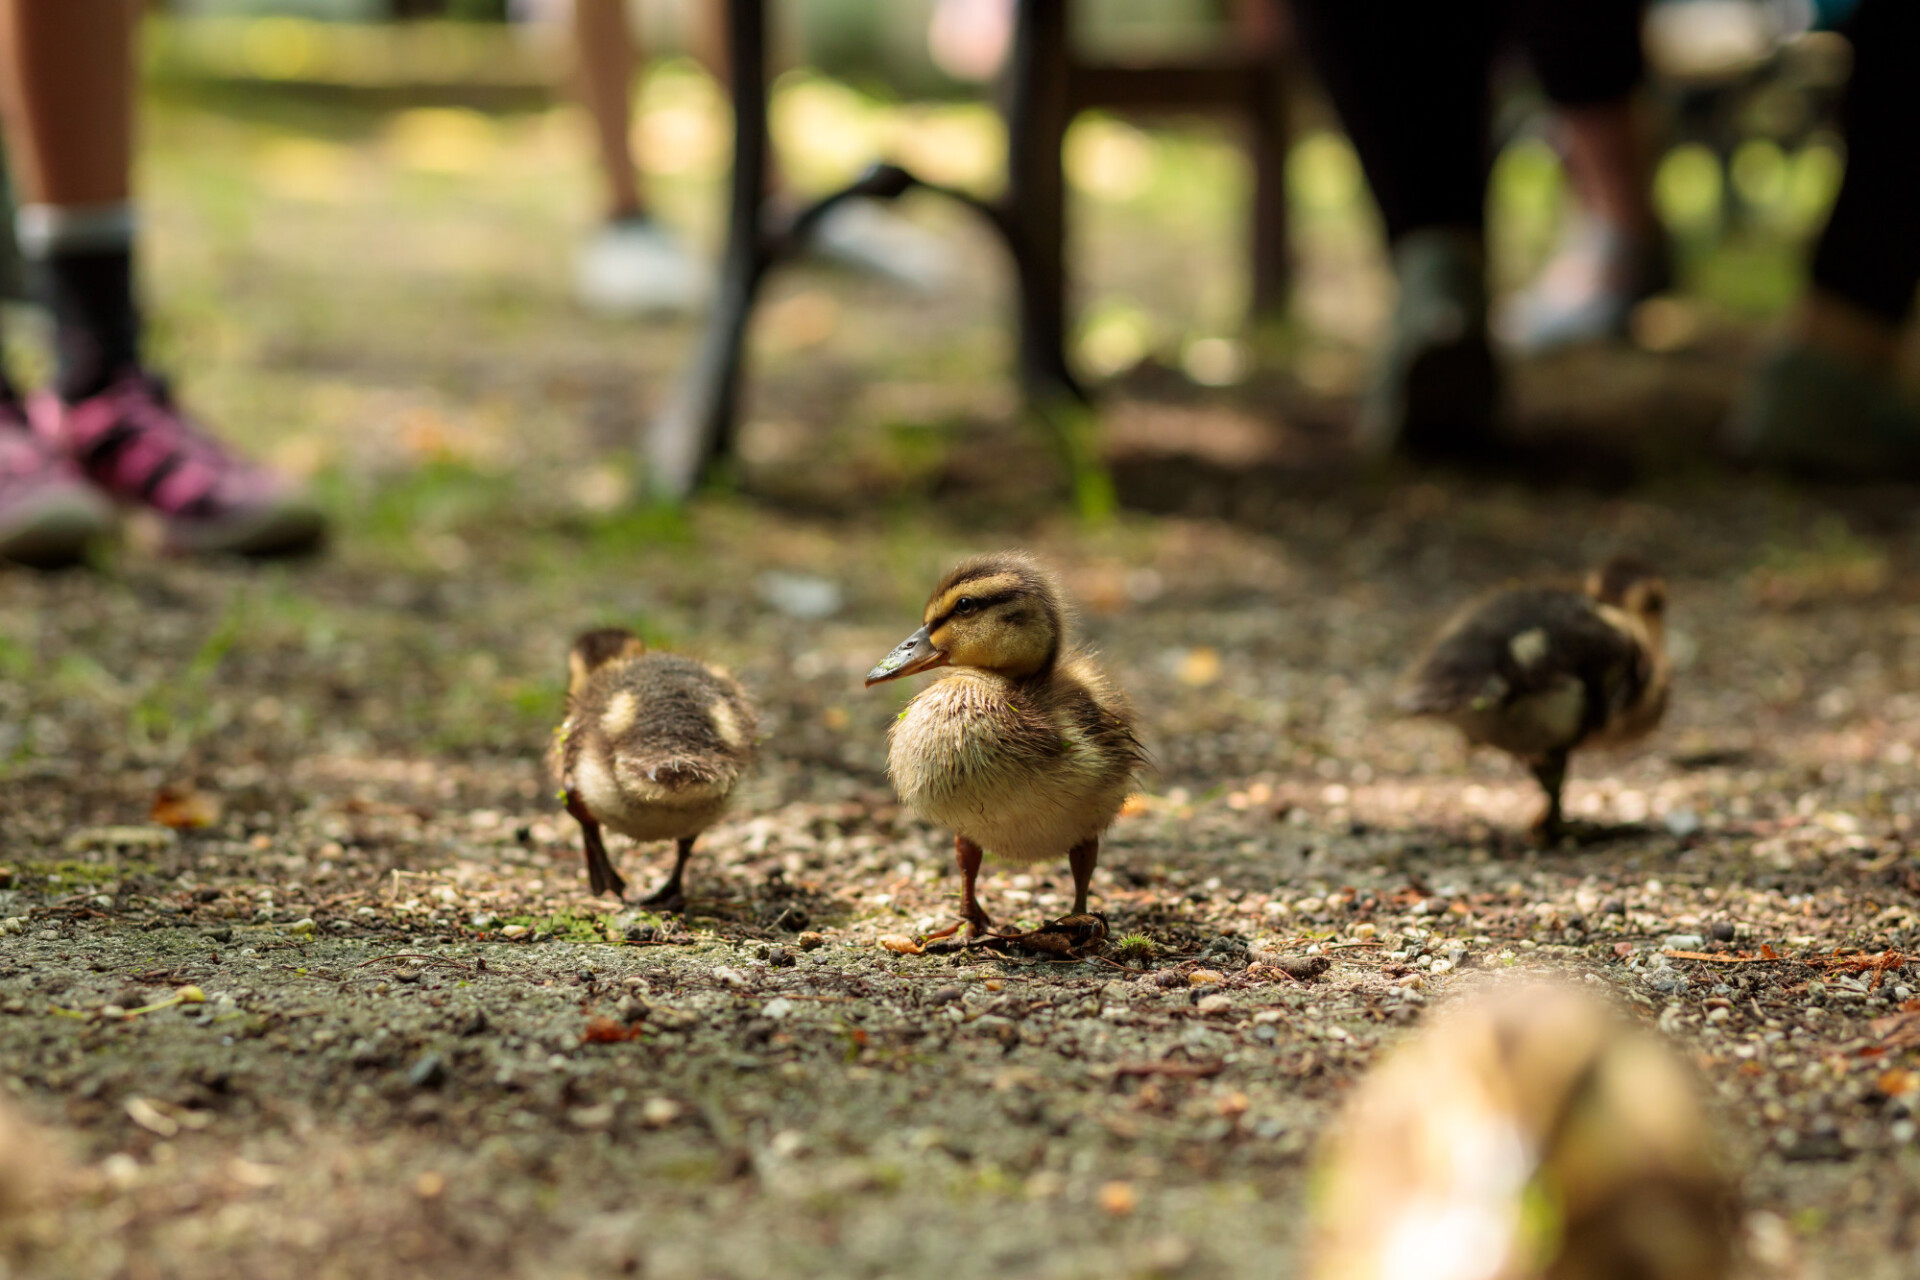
x: 903, y: 945
x: 607, y: 1031
x: 184, y: 809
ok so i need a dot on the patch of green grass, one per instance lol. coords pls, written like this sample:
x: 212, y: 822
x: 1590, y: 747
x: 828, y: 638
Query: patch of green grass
x: 571, y: 927
x: 1135, y: 949
x: 79, y: 873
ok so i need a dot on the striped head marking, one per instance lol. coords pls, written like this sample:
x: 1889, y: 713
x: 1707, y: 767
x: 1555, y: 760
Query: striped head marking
x: 595, y: 649
x: 999, y: 613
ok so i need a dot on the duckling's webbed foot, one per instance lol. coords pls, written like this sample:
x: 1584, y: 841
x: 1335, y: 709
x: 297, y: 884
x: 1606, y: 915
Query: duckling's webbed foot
x: 600, y: 873
x: 1551, y: 774
x: 669, y: 896
x: 968, y: 855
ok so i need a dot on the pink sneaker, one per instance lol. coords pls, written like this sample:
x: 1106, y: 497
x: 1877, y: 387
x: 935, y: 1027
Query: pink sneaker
x: 133, y: 441
x: 48, y: 511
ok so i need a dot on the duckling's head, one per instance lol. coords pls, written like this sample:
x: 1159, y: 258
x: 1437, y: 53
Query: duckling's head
x: 595, y: 649
x: 1000, y: 613
x: 1634, y: 586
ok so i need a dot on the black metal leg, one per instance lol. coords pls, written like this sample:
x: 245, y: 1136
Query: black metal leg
x: 697, y: 427
x: 1038, y: 110
x: 1271, y: 133
x: 698, y: 424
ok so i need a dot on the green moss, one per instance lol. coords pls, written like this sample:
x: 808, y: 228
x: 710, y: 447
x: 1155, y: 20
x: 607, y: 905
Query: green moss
x: 78, y: 873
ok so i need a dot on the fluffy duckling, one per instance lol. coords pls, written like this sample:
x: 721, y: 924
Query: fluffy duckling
x: 1528, y: 1135
x: 1539, y: 671
x: 652, y: 746
x: 1025, y: 750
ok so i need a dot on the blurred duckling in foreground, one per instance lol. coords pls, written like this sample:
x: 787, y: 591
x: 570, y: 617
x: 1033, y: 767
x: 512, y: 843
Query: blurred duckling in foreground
x: 1539, y: 671
x: 1025, y: 750
x: 1529, y: 1134
x: 652, y: 746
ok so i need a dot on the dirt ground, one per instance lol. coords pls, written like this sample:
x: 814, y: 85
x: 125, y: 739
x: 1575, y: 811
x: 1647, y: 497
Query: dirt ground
x: 424, y: 1049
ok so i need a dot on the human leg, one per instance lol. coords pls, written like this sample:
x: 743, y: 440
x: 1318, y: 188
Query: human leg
x: 66, y: 87
x: 1410, y: 84
x: 1822, y: 400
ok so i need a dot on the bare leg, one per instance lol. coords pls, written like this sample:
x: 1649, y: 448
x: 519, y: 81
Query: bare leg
x: 668, y: 897
x: 66, y: 85
x: 1084, y: 857
x: 1551, y: 774
x: 1609, y: 162
x: 600, y: 873
x: 607, y: 59
x: 968, y: 855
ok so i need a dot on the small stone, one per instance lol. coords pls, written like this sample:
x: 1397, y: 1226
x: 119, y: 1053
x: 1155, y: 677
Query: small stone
x: 780, y: 958
x: 1205, y: 977
x: 810, y: 940
x: 777, y: 1008
x: 659, y: 1111
x: 1439, y: 967
x: 946, y: 995
x: 1613, y: 907
x: 1169, y: 978
x: 223, y: 933
x: 1681, y: 823
x: 1364, y: 930
x: 632, y: 1009
x: 1721, y: 930
x: 1667, y: 981
x: 429, y: 1071
x: 1684, y: 942
x: 1303, y: 968
x: 1214, y: 1005
x: 515, y: 931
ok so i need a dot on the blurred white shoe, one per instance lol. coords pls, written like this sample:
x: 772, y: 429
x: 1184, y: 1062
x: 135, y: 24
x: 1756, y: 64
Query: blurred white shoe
x: 636, y: 266
x: 865, y: 236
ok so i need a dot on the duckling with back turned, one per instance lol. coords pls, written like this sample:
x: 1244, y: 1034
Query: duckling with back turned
x: 652, y: 746
x: 1025, y: 750
x: 1539, y: 671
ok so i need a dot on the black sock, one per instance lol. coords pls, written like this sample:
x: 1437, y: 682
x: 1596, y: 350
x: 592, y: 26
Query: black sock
x: 97, y: 328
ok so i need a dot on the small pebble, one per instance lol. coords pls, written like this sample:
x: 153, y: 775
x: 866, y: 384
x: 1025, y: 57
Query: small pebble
x: 428, y: 1072
x: 1721, y: 930
x: 1214, y: 1005
x: 946, y: 995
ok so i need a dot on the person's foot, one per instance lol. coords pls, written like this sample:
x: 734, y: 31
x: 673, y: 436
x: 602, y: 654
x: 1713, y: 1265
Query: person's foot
x: 48, y: 512
x: 1435, y: 388
x: 1816, y: 413
x: 867, y: 236
x: 140, y: 448
x: 635, y: 266
x: 1588, y: 289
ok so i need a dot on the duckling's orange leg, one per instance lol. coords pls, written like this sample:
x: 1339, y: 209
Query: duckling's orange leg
x: 968, y: 855
x: 1083, y: 858
x: 600, y: 873
x: 668, y: 896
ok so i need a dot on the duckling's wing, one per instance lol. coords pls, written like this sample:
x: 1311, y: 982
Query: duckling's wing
x: 1521, y: 643
x: 1094, y: 706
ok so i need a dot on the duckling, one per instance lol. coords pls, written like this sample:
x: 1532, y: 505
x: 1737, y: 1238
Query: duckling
x: 1025, y: 750
x: 1532, y: 1134
x: 651, y: 747
x: 1539, y: 671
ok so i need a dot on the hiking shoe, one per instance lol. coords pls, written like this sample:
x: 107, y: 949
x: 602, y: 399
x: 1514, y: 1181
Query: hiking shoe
x: 48, y: 511
x: 634, y: 266
x: 138, y: 446
x: 1587, y: 291
x: 1436, y: 388
x: 1813, y: 413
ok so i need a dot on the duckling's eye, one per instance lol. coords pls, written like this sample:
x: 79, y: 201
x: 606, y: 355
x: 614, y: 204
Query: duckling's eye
x: 965, y: 605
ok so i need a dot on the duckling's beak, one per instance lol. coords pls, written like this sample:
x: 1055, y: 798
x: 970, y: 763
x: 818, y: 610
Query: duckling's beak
x: 915, y: 653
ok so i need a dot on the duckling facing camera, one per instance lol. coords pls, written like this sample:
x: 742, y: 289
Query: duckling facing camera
x: 1024, y: 749
x: 1540, y: 671
x: 1528, y: 1134
x: 652, y: 746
